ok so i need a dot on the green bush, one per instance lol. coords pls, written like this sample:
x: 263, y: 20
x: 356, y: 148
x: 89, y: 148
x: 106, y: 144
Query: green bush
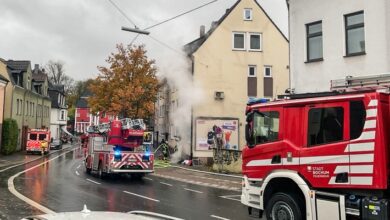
x: 9, y: 136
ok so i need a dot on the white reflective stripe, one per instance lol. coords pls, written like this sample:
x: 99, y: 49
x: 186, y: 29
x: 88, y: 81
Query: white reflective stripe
x: 360, y: 147
x: 266, y: 162
x: 373, y: 102
x: 367, y: 135
x: 371, y: 112
x: 332, y: 181
x: 361, y: 180
x: 362, y: 169
x: 325, y: 159
x: 356, y: 180
x: 341, y: 169
x: 362, y: 158
x: 370, y: 124
x: 356, y: 158
x: 355, y: 169
x: 295, y: 161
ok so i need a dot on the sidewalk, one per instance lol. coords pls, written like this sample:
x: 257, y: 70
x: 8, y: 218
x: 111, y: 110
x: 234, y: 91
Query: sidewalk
x: 21, y: 157
x: 16, y: 158
x: 200, y: 177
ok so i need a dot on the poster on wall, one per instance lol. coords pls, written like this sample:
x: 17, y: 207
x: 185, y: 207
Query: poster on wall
x: 228, y: 129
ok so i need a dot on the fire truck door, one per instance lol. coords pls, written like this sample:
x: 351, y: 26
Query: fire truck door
x: 266, y: 154
x: 324, y: 160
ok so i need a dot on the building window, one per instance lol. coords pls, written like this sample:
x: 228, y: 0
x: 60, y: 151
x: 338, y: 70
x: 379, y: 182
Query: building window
x: 248, y: 14
x: 267, y: 71
x: 354, y: 33
x: 239, y: 41
x: 252, y: 71
x: 255, y: 41
x: 252, y: 81
x: 325, y: 125
x: 62, y: 117
x: 314, y: 41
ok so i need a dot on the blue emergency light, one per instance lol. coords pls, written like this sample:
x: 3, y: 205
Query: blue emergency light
x: 253, y: 101
x: 146, y: 156
x: 117, y: 155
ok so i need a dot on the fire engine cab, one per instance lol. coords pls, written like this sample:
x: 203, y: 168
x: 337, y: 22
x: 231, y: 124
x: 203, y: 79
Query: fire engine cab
x: 38, y: 141
x: 320, y: 156
x: 122, y: 146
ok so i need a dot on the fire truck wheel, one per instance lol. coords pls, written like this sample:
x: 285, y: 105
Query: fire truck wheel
x: 283, y: 206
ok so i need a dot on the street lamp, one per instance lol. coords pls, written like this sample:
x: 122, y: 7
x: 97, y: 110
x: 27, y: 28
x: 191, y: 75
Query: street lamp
x: 135, y: 30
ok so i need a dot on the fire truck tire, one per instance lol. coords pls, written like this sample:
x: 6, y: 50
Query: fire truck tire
x: 284, y: 206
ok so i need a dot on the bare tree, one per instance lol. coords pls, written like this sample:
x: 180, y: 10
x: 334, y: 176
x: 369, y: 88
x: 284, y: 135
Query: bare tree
x: 57, y: 75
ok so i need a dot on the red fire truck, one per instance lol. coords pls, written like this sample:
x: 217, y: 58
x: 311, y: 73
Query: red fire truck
x: 122, y: 146
x: 320, y: 156
x: 38, y: 141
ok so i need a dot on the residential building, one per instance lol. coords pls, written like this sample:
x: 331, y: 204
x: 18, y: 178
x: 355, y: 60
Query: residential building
x: 335, y: 39
x: 59, y: 112
x: 3, y: 83
x: 162, y: 120
x: 243, y: 55
x: 84, y: 117
x: 27, y: 99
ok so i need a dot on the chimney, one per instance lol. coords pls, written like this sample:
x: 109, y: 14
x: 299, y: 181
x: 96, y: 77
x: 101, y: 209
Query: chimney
x: 202, y: 30
x: 36, y: 68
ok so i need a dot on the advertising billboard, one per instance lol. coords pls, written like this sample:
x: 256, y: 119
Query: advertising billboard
x: 228, y: 127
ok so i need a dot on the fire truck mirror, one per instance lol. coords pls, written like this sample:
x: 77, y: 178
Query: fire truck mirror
x: 249, y: 137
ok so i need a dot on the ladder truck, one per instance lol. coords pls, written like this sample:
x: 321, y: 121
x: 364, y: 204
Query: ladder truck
x: 320, y: 156
x: 119, y: 147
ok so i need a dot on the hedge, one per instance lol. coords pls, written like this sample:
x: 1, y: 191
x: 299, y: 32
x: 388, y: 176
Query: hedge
x: 9, y: 136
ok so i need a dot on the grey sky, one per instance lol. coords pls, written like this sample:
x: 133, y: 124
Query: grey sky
x: 82, y: 33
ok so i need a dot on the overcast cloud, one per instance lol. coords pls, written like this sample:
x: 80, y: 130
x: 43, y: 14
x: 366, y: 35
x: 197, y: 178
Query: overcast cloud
x: 82, y: 33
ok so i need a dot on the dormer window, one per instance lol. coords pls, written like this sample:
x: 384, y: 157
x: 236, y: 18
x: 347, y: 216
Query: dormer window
x: 247, y: 14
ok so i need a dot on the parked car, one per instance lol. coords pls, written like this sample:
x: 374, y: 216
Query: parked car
x: 56, y: 144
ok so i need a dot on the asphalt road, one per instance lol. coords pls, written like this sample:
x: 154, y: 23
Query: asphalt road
x: 62, y: 185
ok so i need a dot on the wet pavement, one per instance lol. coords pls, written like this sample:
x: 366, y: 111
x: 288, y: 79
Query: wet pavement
x: 62, y: 185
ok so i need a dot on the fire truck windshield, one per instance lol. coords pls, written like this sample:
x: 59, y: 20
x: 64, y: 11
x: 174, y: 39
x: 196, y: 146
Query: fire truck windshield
x: 42, y: 137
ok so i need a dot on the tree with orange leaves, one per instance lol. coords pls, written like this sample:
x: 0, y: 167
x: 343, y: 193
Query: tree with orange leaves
x: 128, y: 87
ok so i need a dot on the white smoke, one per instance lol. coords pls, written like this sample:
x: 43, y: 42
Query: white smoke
x: 178, y: 74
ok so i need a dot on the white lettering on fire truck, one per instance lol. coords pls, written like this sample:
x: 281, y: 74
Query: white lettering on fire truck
x: 319, y: 172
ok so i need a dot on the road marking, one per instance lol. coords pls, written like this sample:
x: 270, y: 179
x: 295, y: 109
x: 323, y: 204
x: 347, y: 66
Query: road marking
x: 218, y: 217
x: 147, y: 178
x: 93, y: 181
x: 78, y: 166
x: 192, y: 190
x: 202, y: 184
x: 141, y: 196
x: 231, y: 197
x: 166, y: 184
x: 11, y: 187
x: 77, y: 173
